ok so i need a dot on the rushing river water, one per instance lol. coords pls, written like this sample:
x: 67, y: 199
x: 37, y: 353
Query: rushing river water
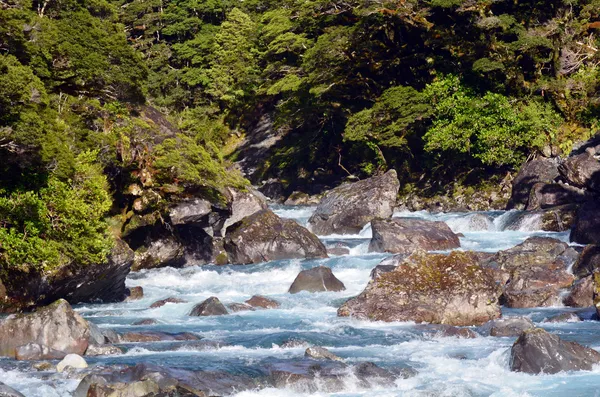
x: 245, y: 341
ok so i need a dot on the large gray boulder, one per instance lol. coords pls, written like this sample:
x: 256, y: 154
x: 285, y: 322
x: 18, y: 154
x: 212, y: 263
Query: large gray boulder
x: 317, y: 279
x: 264, y: 237
x: 509, y: 326
x: 581, y: 294
x: 191, y: 211
x: 57, y: 327
x: 588, y: 261
x: 548, y: 195
x: 210, y: 307
x: 405, y: 235
x: 434, y: 288
x: 581, y: 170
x: 537, y: 351
x: 243, y: 204
x: 586, y: 229
x: 162, y: 252
x: 536, y: 171
x: 349, y: 207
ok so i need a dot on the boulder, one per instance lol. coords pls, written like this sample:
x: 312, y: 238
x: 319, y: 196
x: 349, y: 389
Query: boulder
x: 581, y: 170
x: 145, y: 321
x: 588, y: 261
x: 448, y: 289
x: 338, y: 251
x: 586, y: 228
x: 581, y: 294
x: 243, y: 204
x: 382, y: 269
x: 317, y: 279
x: 168, y: 251
x: 307, y: 376
x: 320, y: 353
x: 537, y: 271
x: 349, y: 207
x: 71, y: 360
x: 105, y: 350
x: 564, y: 318
x: 135, y: 293
x: 448, y: 331
x: 548, y: 195
x: 558, y: 219
x: 537, y: 351
x: 264, y: 237
x: 191, y: 211
x: 301, y: 198
x: 239, y: 307
x: 536, y: 171
x: 405, y: 235
x: 34, y: 351
x: 510, y: 326
x: 263, y: 302
x: 163, y: 302
x: 210, y: 307
x: 7, y: 391
x: 57, y: 326
x: 148, y: 200
x: 153, y: 336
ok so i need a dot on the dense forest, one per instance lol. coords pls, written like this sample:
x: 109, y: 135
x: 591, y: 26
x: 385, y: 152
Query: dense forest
x: 97, y: 94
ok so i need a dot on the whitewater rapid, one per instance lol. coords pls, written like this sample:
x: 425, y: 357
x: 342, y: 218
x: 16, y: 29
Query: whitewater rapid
x: 243, y: 342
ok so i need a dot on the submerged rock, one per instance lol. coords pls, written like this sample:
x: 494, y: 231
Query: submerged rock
x: 153, y: 336
x: 135, y: 293
x: 145, y: 321
x: 564, y: 318
x: 448, y: 331
x: 320, y: 353
x: 510, y: 326
x: 443, y: 289
x: 349, y: 207
x: 239, y: 307
x: 264, y: 237
x: 105, y: 350
x: 317, y: 279
x: 537, y: 351
x: 57, y: 326
x: 404, y: 235
x: 163, y: 302
x: 263, y: 302
x: 210, y: 307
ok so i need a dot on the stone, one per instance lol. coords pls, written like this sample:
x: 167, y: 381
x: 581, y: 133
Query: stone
x: 145, y: 321
x: 56, y: 326
x: 163, y: 302
x: 301, y: 198
x: 243, y: 204
x: 536, y: 171
x: 105, y: 350
x: 148, y: 200
x: 317, y: 279
x: 43, y: 366
x: 405, y: 235
x: 153, y: 336
x: 210, y: 307
x: 320, y: 353
x: 559, y: 219
x: 7, y: 391
x: 548, y: 195
x: 239, y: 307
x: 564, y: 318
x: 381, y: 269
x: 586, y: 228
x: 581, y: 170
x: 71, y: 360
x: 588, y: 261
x: 34, y: 351
x: 448, y: 289
x: 263, y: 302
x: 338, y: 251
x: 135, y: 293
x: 581, y: 293
x: 349, y: 207
x: 371, y: 375
x: 308, y: 376
x: 162, y: 252
x: 293, y: 343
x: 510, y: 326
x: 264, y: 237
x: 447, y: 331
x: 192, y: 211
x: 536, y: 351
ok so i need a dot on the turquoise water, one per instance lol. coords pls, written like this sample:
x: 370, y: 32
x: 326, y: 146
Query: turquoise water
x: 244, y: 342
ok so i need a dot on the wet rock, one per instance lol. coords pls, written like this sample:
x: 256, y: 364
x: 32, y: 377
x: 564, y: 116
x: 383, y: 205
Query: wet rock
x: 581, y: 170
x: 509, y: 326
x: 162, y: 252
x: 338, y: 251
x: 239, y: 307
x: 447, y: 331
x: 301, y: 198
x: 564, y: 318
x: 71, y: 360
x: 56, y: 326
x: 163, y: 302
x: 320, y: 353
x: 307, y: 376
x: 381, y: 269
x: 152, y: 336
x: 588, y: 261
x: 7, y: 391
x: 443, y: 289
x: 191, y: 211
x: 349, y: 207
x: 145, y: 321
x: 398, y: 235
x: 105, y: 350
x: 264, y: 237
x: 33, y: 351
x: 292, y: 343
x: 536, y: 171
x: 537, y: 351
x: 372, y: 375
x: 548, y: 195
x: 210, y: 307
x: 317, y: 279
x: 586, y: 228
x: 243, y: 204
x: 537, y: 272
x: 263, y: 302
x: 581, y: 294
x: 479, y: 222
x: 273, y: 189
x: 558, y: 219
x: 135, y: 293
x: 42, y: 366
